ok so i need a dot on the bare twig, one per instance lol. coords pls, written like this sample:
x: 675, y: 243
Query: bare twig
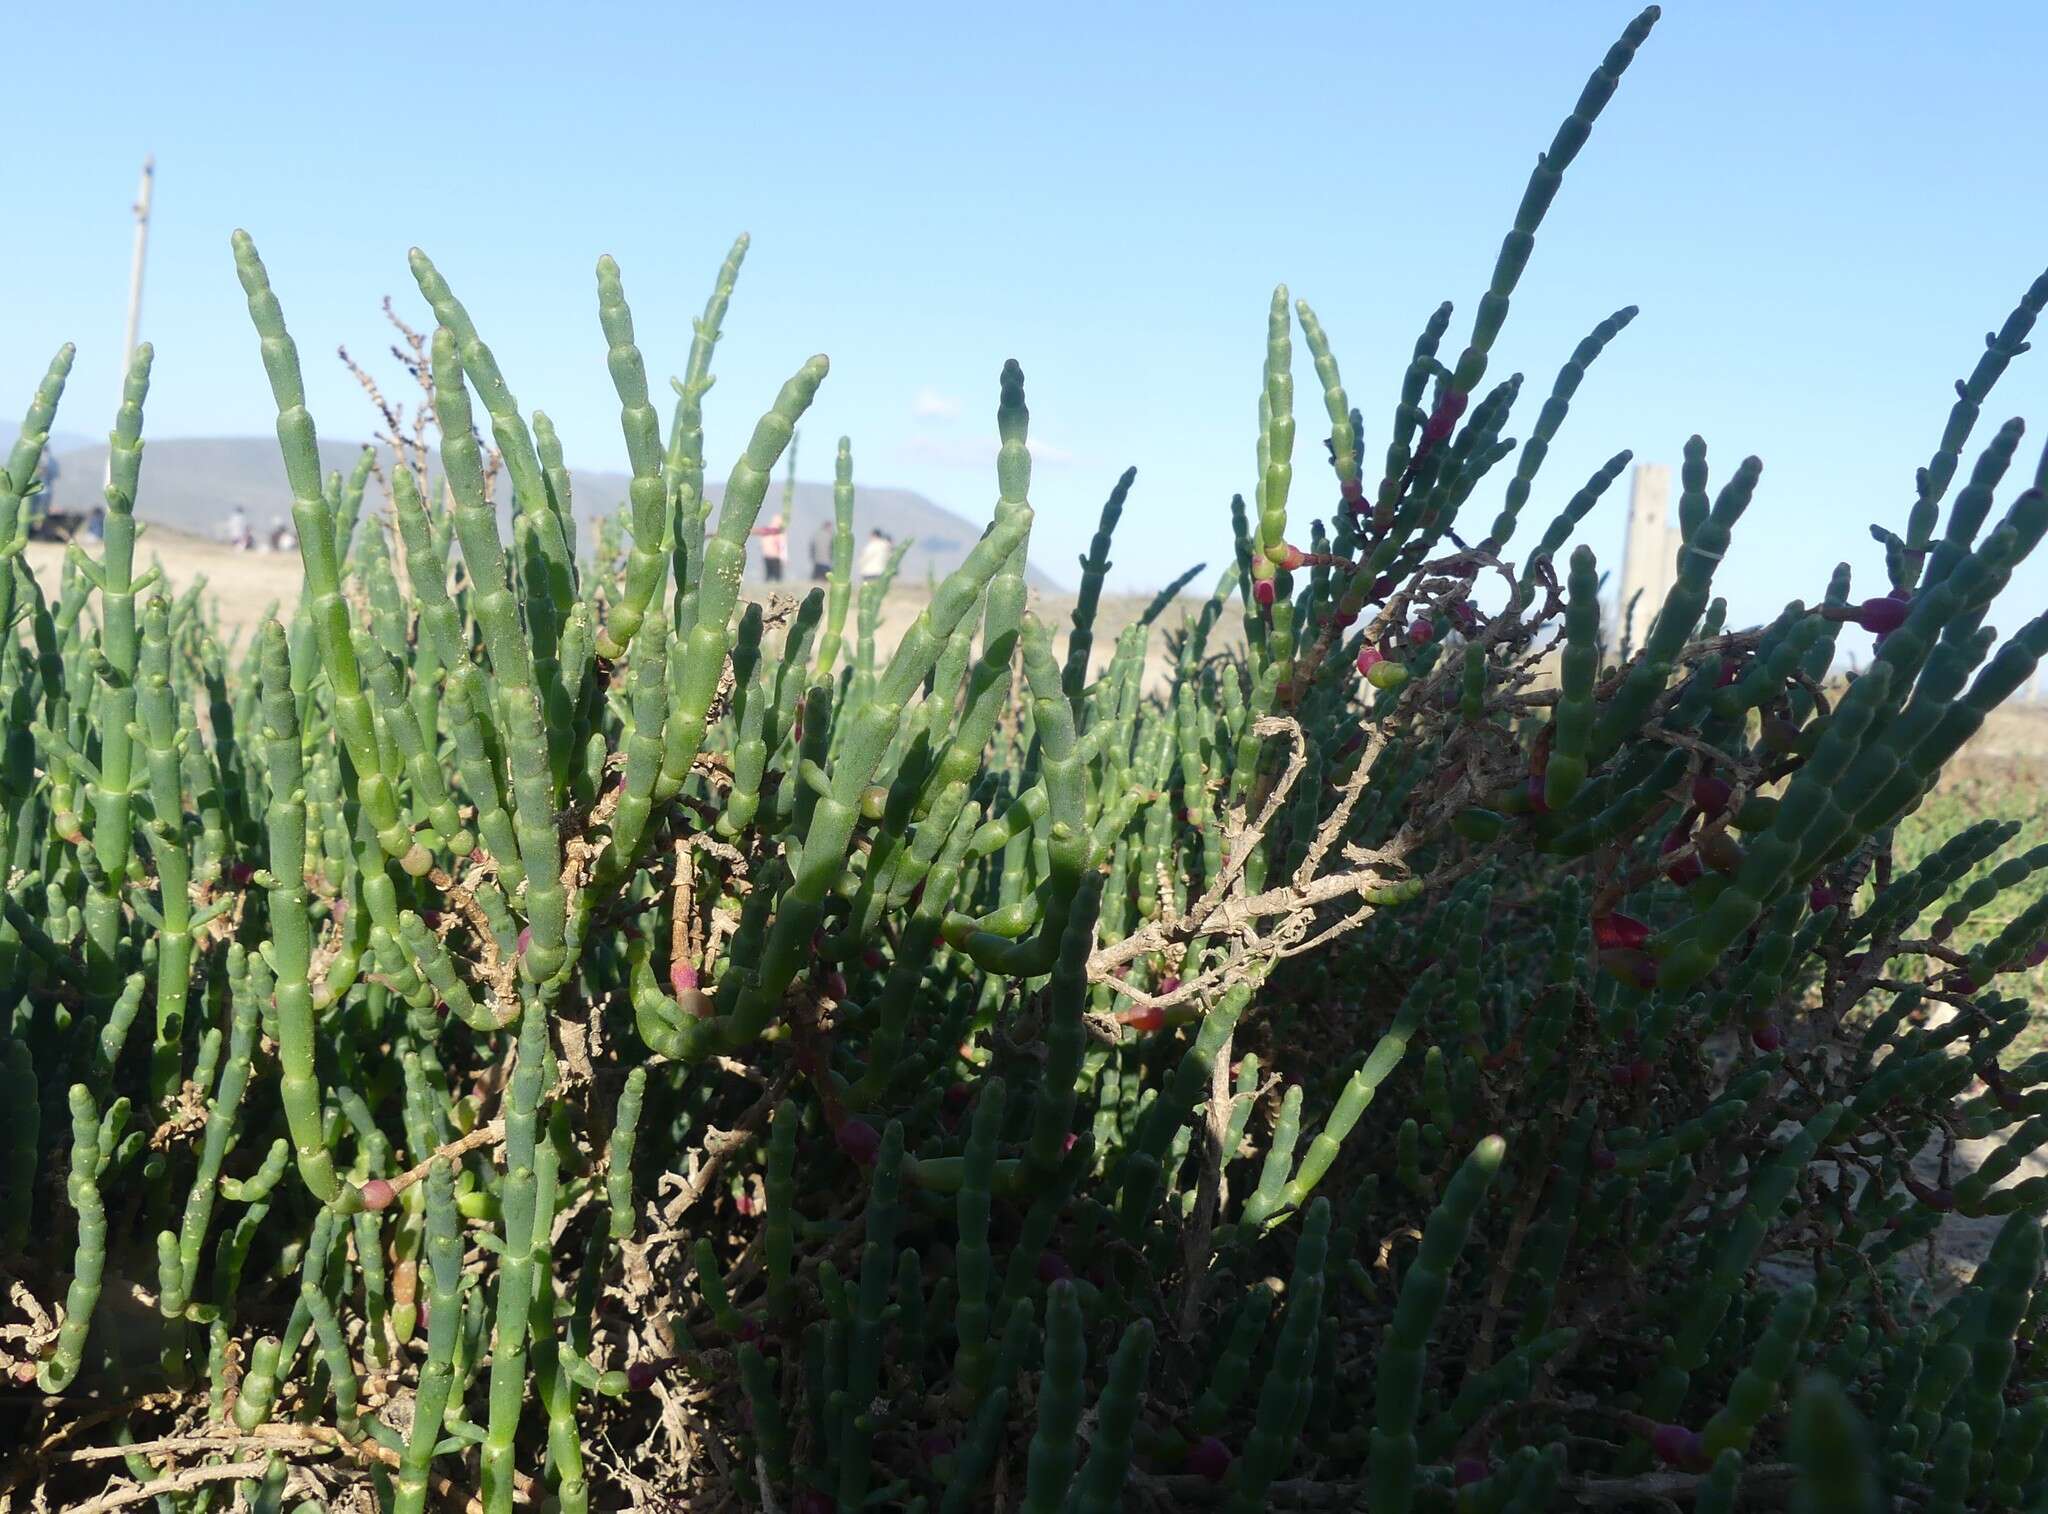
x: 182, y: 1481
x: 483, y: 1135
x: 1209, y: 1195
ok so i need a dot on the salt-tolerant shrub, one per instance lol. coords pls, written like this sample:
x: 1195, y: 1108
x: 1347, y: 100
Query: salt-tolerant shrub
x: 530, y: 1026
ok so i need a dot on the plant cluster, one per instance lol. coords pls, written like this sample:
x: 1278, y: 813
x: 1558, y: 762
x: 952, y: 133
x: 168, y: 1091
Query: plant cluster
x: 533, y: 1030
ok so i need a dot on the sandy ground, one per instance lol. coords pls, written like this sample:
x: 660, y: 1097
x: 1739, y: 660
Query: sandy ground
x: 244, y: 586
x: 1950, y: 1257
x: 241, y: 586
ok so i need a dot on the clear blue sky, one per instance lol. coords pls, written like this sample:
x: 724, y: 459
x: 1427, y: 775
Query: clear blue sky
x: 1821, y: 210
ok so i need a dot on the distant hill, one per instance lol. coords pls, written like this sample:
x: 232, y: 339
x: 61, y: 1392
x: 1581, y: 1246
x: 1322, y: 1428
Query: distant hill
x: 195, y: 483
x: 60, y: 441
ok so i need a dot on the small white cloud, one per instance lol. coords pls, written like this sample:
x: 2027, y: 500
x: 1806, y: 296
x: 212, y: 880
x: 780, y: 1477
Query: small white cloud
x: 977, y: 452
x: 948, y: 451
x: 930, y: 405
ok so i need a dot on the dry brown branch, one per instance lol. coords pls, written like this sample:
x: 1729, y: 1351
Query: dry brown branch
x: 483, y: 1135
x: 183, y: 1481
x: 1767, y: 1485
x: 1241, y: 840
x: 1209, y: 1192
x: 704, y: 1167
x: 498, y: 973
x: 1340, y: 814
x: 1232, y: 916
x: 283, y: 1439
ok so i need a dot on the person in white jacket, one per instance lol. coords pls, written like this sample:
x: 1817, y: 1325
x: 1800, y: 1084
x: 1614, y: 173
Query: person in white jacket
x: 874, y: 553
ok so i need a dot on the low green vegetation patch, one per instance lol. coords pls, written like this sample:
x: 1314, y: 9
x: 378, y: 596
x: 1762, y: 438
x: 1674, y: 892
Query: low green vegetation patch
x: 529, y: 1030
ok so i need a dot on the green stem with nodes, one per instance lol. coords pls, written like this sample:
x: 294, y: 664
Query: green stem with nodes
x: 547, y: 567
x: 709, y: 638
x: 291, y: 945
x: 314, y: 520
x: 512, y: 667
x: 839, y: 585
x: 1422, y: 1295
x: 89, y: 1262
x: 112, y: 790
x: 647, y: 495
x: 683, y: 469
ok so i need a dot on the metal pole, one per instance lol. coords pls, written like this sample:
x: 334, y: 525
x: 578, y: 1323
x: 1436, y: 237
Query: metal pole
x: 134, y: 287
x: 135, y: 270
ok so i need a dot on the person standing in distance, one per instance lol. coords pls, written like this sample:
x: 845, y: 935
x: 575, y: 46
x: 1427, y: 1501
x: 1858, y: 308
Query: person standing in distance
x: 821, y: 552
x: 874, y: 553
x: 774, y: 547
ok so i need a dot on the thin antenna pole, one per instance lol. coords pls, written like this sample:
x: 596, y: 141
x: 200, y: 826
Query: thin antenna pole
x: 134, y: 288
x: 135, y: 270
